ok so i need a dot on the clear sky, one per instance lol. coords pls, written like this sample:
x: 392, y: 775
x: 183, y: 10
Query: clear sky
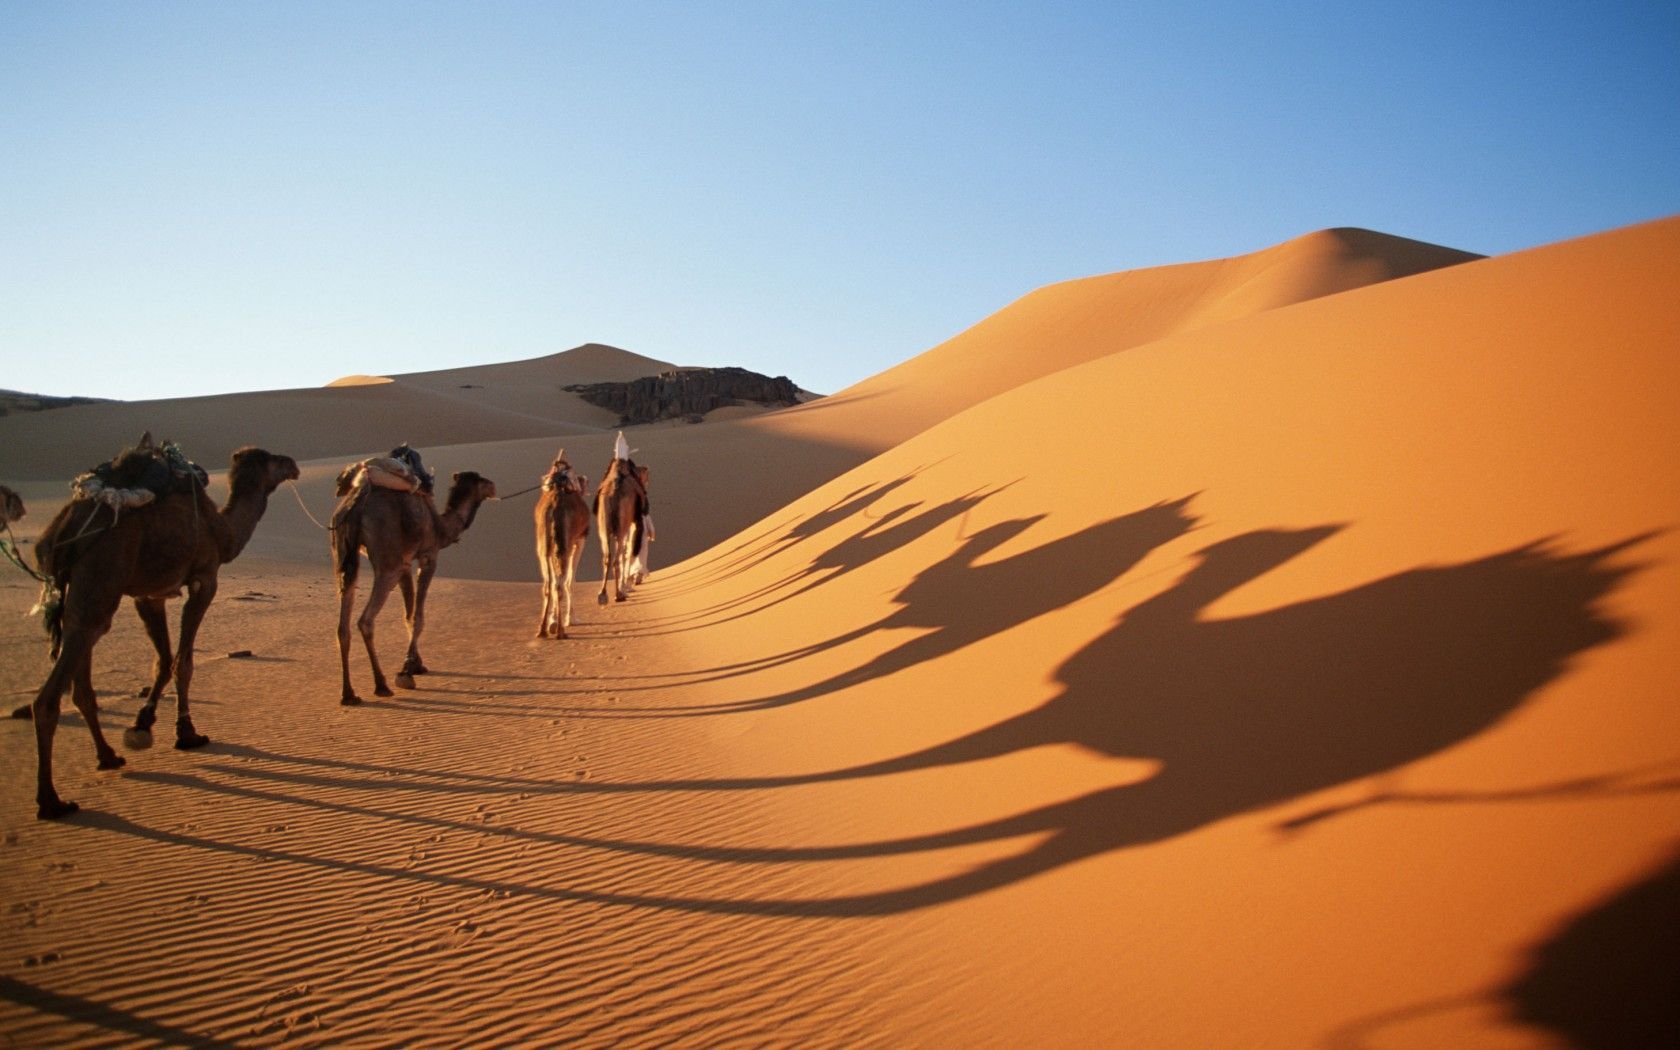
x: 208, y: 197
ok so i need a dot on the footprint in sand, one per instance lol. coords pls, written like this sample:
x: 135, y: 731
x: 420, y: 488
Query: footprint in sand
x: 43, y: 959
x: 304, y: 1021
x: 296, y: 991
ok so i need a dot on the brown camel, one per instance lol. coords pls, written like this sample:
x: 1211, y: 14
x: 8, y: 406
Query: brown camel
x: 562, y: 521
x: 94, y: 555
x: 401, y: 533
x: 620, y: 506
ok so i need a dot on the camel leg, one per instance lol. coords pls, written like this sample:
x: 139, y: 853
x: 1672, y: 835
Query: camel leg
x: 87, y: 702
x: 414, y: 605
x: 346, y: 605
x: 200, y: 593
x: 545, y: 560
x: 75, y: 657
x: 155, y: 618
x: 48, y: 805
x: 568, y: 578
x: 623, y: 579
x: 381, y: 590
x: 608, y: 565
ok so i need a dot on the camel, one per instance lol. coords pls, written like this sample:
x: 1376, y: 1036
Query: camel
x: 94, y: 555
x: 562, y: 521
x: 620, y: 505
x: 401, y: 533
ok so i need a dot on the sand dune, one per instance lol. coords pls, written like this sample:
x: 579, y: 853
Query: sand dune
x: 1276, y: 651
x: 342, y: 421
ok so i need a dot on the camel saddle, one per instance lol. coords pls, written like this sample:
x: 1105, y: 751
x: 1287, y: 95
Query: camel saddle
x: 137, y: 476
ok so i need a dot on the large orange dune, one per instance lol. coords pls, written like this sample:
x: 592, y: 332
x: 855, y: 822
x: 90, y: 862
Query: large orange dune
x: 1271, y: 651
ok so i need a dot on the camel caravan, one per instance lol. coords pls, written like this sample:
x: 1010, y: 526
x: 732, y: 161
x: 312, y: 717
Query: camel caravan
x: 143, y: 527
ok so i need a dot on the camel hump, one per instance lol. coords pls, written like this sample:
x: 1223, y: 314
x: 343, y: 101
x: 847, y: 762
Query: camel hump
x: 388, y: 472
x: 140, y: 475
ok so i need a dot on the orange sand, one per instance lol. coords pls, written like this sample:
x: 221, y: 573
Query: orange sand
x: 1273, y: 651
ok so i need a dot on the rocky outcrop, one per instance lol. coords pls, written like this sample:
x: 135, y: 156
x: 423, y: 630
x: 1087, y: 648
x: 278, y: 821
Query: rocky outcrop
x: 18, y: 401
x: 687, y: 393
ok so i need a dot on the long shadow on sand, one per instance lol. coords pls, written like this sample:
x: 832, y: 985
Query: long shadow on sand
x: 955, y: 602
x: 1611, y: 977
x: 1251, y: 711
x: 892, y: 531
x: 98, y: 1015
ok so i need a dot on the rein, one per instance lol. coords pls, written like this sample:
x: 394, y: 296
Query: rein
x: 292, y: 484
x: 521, y: 492
x: 9, y: 547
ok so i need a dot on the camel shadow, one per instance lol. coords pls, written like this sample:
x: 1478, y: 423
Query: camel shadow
x: 892, y: 531
x: 1608, y: 977
x: 955, y: 602
x: 97, y: 1014
x: 1245, y: 712
x: 1250, y: 711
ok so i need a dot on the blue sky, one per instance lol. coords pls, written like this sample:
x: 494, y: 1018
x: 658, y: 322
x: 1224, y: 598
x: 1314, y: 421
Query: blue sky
x: 203, y: 198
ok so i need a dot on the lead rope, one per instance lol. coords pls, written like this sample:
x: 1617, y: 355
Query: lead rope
x: 292, y: 484
x: 10, y: 547
x: 521, y: 492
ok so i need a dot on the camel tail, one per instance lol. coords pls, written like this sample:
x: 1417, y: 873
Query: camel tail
x: 345, y: 535
x: 56, y: 550
x: 50, y: 608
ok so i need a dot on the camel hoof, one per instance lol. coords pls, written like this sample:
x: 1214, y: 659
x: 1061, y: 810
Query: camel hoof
x: 405, y: 681
x: 113, y: 761
x: 26, y: 711
x: 137, y: 739
x: 187, y: 737
x: 54, y: 809
x: 600, y: 599
x: 349, y: 700
x: 622, y: 597
x: 383, y: 690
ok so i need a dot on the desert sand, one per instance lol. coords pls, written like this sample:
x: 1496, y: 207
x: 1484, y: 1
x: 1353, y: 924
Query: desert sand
x: 1269, y: 651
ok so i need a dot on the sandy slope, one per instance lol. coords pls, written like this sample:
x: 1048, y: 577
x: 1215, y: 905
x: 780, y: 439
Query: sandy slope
x: 337, y: 422
x: 1313, y: 688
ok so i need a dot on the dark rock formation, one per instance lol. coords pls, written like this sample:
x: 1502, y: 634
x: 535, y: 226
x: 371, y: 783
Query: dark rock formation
x: 18, y: 401
x: 687, y: 393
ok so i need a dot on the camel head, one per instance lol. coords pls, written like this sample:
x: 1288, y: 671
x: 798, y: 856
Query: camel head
x: 469, y: 486
x: 11, y: 506
x: 255, y: 468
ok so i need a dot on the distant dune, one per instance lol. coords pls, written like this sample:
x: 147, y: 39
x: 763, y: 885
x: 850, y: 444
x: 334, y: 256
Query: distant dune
x: 1268, y: 651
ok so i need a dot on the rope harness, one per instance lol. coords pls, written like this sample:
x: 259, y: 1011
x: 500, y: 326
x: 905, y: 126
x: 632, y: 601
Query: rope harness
x: 9, y: 547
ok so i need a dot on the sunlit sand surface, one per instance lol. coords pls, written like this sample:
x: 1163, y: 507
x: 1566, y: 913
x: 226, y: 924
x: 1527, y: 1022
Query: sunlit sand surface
x: 1270, y: 651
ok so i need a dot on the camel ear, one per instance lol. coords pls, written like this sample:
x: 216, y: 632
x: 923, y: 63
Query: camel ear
x: 560, y: 455
x: 455, y: 476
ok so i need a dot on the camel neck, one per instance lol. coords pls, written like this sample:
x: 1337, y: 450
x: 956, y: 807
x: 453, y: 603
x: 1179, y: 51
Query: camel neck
x: 242, y: 512
x: 455, y: 521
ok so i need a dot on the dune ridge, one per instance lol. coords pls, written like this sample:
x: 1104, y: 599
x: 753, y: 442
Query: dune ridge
x: 1313, y: 688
